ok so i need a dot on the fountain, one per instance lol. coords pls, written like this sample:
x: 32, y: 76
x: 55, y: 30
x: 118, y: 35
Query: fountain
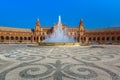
x: 59, y: 37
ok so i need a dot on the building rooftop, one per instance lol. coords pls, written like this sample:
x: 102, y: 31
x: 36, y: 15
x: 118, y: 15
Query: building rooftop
x: 112, y: 29
x: 2, y: 28
x: 14, y: 29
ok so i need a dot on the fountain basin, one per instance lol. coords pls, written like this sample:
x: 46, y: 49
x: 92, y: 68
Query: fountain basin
x: 59, y: 44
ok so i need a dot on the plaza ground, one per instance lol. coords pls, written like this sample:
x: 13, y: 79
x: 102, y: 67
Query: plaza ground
x: 96, y: 62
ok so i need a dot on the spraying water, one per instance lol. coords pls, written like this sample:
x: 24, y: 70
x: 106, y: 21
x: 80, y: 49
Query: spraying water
x: 59, y: 35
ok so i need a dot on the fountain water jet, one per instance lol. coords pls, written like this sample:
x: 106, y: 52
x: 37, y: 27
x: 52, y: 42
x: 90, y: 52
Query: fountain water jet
x: 59, y: 35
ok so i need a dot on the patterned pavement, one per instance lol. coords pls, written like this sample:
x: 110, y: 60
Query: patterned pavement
x: 20, y: 62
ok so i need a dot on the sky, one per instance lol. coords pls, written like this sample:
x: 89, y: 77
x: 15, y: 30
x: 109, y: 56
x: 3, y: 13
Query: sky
x: 95, y: 13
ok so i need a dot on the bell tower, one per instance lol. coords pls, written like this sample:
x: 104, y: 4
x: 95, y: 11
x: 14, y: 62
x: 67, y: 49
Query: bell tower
x: 81, y: 28
x: 37, y: 31
x: 37, y: 26
x: 81, y: 31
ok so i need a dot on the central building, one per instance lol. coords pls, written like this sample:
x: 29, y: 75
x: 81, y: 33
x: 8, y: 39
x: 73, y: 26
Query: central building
x: 41, y: 33
x: 79, y: 33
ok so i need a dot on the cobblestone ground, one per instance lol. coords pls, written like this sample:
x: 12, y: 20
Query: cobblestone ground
x: 20, y: 62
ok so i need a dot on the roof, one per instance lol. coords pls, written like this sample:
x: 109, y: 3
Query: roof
x: 46, y: 27
x: 112, y: 29
x: 14, y: 29
x: 70, y: 27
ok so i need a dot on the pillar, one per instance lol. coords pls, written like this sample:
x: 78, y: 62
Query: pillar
x: 32, y: 39
x: 80, y: 40
x: 38, y: 38
x: 87, y: 40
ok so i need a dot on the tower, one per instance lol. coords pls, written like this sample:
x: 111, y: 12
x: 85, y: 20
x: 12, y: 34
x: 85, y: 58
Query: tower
x: 81, y: 28
x: 81, y: 32
x: 37, y: 31
x: 37, y: 26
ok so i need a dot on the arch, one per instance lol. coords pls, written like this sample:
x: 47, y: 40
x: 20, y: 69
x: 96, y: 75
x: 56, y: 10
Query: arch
x: 12, y: 38
x: 34, y: 38
x: 2, y: 37
x: 37, y: 38
x: 84, y: 38
x: 81, y: 38
x: 90, y: 39
x: 29, y: 38
x: 103, y: 38
x: 108, y: 38
x: 7, y: 38
x: 94, y: 38
x: 98, y: 39
x: 25, y: 38
x: 113, y: 38
x: 16, y: 38
x: 41, y: 38
x: 21, y: 38
x: 118, y: 38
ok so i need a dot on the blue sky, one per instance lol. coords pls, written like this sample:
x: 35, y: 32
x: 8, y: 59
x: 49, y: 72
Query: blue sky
x: 95, y: 13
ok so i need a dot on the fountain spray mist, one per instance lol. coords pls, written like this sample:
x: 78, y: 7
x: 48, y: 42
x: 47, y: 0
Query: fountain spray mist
x: 59, y: 35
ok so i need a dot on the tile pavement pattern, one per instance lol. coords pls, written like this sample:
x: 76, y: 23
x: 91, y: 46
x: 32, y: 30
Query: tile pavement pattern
x: 20, y: 62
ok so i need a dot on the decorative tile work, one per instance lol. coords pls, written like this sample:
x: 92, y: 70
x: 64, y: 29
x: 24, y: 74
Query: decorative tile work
x: 60, y: 63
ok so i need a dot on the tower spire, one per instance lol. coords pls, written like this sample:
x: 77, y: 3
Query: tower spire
x: 81, y: 22
x: 38, y: 22
x: 81, y: 27
x: 37, y: 26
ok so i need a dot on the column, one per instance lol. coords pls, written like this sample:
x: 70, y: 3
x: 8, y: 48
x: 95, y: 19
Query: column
x: 80, y: 40
x: 38, y: 38
x: 87, y: 40
x: 32, y: 39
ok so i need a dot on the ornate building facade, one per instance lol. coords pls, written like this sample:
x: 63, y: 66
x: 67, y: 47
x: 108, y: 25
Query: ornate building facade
x: 79, y: 33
